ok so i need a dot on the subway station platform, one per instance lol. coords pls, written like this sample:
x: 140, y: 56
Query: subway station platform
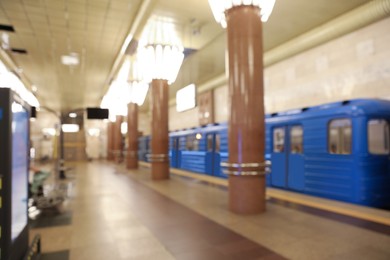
x: 114, y: 213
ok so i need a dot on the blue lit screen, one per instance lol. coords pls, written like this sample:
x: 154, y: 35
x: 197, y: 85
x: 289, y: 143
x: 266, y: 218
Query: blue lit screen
x: 20, y: 147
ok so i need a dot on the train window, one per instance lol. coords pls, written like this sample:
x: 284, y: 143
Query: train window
x: 296, y: 139
x: 378, y: 136
x: 340, y: 136
x: 192, y: 143
x: 217, y: 143
x: 279, y: 140
x: 196, y: 145
x: 210, y: 143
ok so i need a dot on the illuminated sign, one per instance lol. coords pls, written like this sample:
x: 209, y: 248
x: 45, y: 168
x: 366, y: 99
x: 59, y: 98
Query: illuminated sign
x: 186, y: 98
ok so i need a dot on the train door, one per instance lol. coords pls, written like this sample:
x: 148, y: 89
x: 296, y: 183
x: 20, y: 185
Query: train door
x: 287, y: 157
x: 175, y: 152
x: 213, y: 157
x: 295, y: 158
x: 379, y: 145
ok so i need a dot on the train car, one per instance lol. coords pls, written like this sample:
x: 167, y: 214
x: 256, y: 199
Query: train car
x: 143, y: 148
x: 200, y: 149
x: 338, y: 151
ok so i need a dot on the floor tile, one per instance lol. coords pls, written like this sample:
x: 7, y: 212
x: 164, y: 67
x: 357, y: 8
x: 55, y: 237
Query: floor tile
x: 120, y: 214
x: 62, y: 255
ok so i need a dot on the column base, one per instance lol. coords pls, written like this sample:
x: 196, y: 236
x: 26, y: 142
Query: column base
x: 247, y: 194
x: 160, y: 171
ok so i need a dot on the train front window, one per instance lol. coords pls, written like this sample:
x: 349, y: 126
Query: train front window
x: 378, y: 136
x: 279, y: 140
x: 340, y: 136
x: 296, y: 139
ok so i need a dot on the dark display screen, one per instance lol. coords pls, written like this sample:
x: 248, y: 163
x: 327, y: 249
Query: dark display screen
x: 97, y: 113
x: 20, y: 147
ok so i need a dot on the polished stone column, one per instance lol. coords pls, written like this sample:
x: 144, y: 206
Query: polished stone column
x: 246, y: 122
x: 110, y: 141
x: 117, y: 146
x: 132, y: 135
x: 159, y: 157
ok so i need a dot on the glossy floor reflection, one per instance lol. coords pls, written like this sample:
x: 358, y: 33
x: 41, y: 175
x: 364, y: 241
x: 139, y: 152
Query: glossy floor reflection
x: 121, y: 214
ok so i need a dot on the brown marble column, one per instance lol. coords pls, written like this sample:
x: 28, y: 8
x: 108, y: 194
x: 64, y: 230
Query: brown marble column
x: 117, y: 146
x: 159, y: 157
x: 110, y: 141
x: 132, y: 135
x: 246, y: 122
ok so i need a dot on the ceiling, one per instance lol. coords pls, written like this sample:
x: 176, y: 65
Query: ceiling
x: 95, y: 31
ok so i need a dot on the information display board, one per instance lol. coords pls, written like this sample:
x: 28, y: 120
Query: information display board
x: 20, y: 148
x: 14, y: 166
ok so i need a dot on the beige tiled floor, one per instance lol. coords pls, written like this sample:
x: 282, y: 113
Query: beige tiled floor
x: 291, y: 233
x: 104, y: 227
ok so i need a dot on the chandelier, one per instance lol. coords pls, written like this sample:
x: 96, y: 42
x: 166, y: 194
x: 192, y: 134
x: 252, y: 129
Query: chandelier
x: 137, y: 86
x: 160, y: 53
x: 220, y: 6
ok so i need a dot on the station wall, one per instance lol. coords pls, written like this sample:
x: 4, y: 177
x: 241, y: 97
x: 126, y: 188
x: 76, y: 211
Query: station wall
x: 353, y: 66
x: 356, y: 65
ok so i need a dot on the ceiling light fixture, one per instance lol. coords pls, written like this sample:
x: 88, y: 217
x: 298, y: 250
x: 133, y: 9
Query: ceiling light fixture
x: 160, y: 52
x: 124, y: 128
x: 70, y: 60
x: 72, y: 115
x: 138, y: 87
x: 116, y: 98
x: 219, y: 7
x: 94, y: 132
x: 70, y: 128
x: 5, y: 41
x: 10, y: 80
x: 49, y: 131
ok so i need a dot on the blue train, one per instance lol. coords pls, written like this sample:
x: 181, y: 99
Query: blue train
x: 338, y: 151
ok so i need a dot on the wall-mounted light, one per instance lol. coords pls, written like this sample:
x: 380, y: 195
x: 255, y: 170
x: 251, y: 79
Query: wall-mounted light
x: 70, y: 128
x: 72, y: 115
